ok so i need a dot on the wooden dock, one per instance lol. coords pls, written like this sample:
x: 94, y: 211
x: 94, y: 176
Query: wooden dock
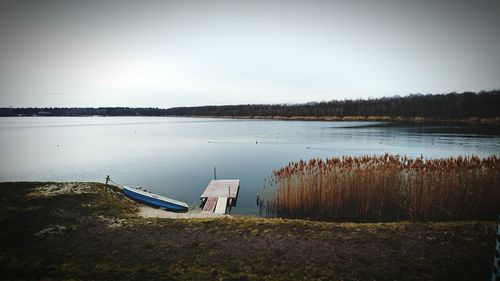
x: 220, y: 196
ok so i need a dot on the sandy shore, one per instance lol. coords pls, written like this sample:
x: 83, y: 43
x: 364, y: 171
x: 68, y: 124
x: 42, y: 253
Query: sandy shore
x: 68, y: 188
x: 148, y: 212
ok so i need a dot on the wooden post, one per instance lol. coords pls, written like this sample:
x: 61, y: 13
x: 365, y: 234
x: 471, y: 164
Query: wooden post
x: 228, y: 200
x: 215, y: 171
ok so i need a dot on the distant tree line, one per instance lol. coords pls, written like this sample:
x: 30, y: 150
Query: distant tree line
x: 444, y: 106
x: 485, y: 104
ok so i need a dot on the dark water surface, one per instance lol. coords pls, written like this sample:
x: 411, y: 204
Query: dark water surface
x: 174, y: 156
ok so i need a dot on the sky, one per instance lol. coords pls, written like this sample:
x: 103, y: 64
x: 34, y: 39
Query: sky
x: 154, y: 53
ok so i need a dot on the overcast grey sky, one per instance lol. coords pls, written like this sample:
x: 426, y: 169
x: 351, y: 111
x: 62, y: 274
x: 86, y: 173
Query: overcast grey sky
x: 176, y: 53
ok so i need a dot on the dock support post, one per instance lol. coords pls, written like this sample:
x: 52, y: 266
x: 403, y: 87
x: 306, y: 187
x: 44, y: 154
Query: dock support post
x: 215, y: 171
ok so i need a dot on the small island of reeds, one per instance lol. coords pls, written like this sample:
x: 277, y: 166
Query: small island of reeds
x: 385, y: 188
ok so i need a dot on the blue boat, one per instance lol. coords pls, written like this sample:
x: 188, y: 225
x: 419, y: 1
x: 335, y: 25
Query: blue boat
x: 154, y: 200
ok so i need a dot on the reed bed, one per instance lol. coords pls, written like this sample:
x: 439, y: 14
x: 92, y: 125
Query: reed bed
x: 385, y: 188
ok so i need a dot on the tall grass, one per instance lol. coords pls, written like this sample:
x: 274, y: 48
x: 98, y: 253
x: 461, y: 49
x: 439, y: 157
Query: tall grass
x: 386, y: 188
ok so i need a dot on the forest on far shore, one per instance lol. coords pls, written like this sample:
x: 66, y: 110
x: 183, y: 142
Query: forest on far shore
x: 452, y: 106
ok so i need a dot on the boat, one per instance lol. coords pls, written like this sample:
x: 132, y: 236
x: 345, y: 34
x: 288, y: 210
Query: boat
x: 141, y: 195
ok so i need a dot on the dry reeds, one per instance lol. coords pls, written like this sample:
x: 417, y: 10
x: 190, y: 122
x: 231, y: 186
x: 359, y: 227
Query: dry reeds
x: 386, y: 188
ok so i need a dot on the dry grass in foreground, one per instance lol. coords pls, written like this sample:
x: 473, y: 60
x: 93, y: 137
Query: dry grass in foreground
x: 386, y: 188
x: 96, y: 234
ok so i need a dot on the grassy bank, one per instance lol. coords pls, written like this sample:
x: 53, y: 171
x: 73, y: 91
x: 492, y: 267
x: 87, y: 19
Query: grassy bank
x: 387, y: 188
x: 84, y: 231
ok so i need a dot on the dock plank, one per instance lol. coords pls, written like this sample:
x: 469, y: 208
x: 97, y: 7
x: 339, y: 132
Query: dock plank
x: 221, y: 206
x: 210, y: 204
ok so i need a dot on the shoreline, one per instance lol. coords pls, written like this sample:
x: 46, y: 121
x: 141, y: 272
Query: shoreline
x: 472, y: 120
x: 416, y: 120
x: 90, y: 231
x: 149, y: 212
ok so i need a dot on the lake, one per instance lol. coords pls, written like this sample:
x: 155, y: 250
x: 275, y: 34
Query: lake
x: 174, y: 156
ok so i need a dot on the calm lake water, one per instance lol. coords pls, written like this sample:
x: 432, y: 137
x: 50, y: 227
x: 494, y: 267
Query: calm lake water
x: 174, y: 156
